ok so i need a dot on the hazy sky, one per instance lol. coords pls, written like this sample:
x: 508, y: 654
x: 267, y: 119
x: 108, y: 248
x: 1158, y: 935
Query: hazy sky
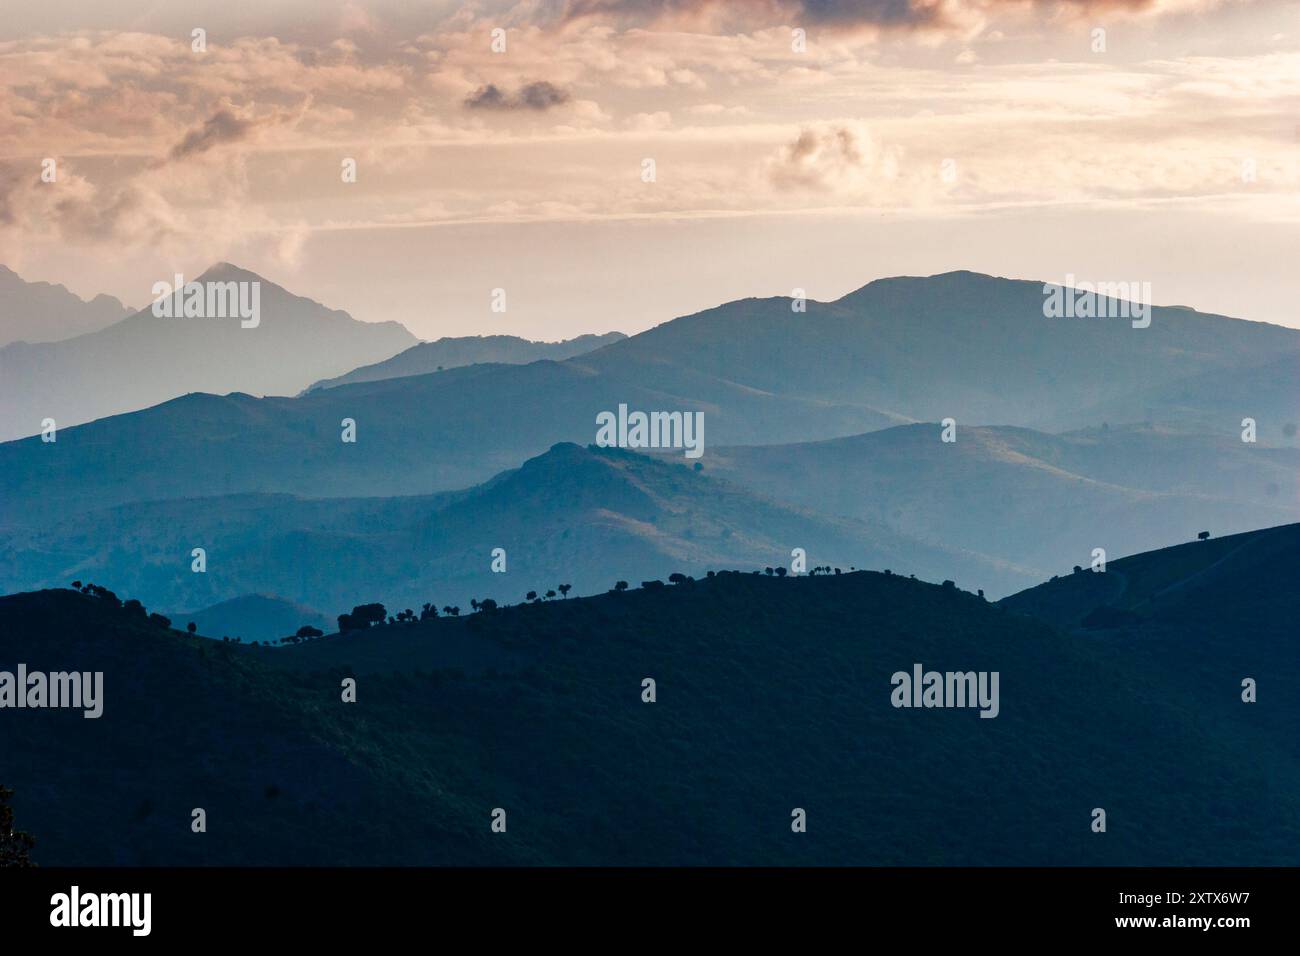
x: 904, y: 136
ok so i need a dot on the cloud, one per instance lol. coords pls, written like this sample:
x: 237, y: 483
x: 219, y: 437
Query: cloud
x: 221, y: 127
x: 540, y: 95
x: 826, y: 13
x: 819, y: 158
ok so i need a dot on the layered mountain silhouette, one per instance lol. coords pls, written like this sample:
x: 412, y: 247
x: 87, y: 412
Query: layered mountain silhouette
x: 454, y: 352
x: 770, y: 695
x: 1041, y: 501
x: 145, y: 359
x: 959, y: 345
x: 573, y: 515
x: 44, y: 312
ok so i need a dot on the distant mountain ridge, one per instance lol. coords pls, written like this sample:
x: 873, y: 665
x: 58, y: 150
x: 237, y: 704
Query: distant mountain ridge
x: 973, y: 348
x: 1045, y: 501
x: 45, y: 312
x: 145, y: 359
x: 453, y: 352
x: 567, y: 516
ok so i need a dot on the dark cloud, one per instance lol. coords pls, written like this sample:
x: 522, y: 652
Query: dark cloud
x: 487, y: 97
x: 541, y: 96
x: 846, y: 13
x: 221, y: 127
x: 532, y: 96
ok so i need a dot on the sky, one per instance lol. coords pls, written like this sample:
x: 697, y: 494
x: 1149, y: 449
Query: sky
x: 796, y: 144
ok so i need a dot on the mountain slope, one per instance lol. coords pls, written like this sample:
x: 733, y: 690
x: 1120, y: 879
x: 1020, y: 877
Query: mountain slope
x: 770, y: 695
x: 448, y: 353
x: 1043, y: 501
x: 568, y: 516
x: 145, y: 359
x: 43, y: 312
x: 970, y: 347
x: 962, y: 345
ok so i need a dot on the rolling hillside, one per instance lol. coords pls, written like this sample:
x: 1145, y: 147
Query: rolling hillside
x: 770, y: 695
x: 571, y: 515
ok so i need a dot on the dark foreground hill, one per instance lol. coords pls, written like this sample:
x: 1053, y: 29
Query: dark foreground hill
x: 772, y: 695
x: 1208, y: 614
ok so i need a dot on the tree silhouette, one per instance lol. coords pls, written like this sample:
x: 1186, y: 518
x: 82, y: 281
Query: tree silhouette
x: 620, y: 585
x: 677, y: 578
x: 530, y: 596
x: 191, y: 627
x: 1203, y: 536
x: 565, y: 589
x: 15, y: 845
x: 308, y: 631
x: 550, y: 595
x: 362, y: 616
x: 780, y: 572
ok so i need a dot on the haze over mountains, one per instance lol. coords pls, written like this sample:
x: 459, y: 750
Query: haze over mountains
x: 1041, y: 501
x: 448, y: 353
x: 580, y: 516
x: 958, y: 345
x: 44, y: 312
x: 146, y: 359
x: 771, y: 694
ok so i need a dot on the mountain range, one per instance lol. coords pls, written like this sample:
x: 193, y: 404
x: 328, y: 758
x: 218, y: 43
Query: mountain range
x: 45, y: 312
x: 959, y: 345
x: 145, y: 359
x: 572, y: 515
x: 454, y: 352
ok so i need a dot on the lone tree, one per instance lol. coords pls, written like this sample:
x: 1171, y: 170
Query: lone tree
x: 620, y: 585
x: 15, y: 845
x: 191, y: 627
x: 1203, y: 536
x: 564, y: 590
